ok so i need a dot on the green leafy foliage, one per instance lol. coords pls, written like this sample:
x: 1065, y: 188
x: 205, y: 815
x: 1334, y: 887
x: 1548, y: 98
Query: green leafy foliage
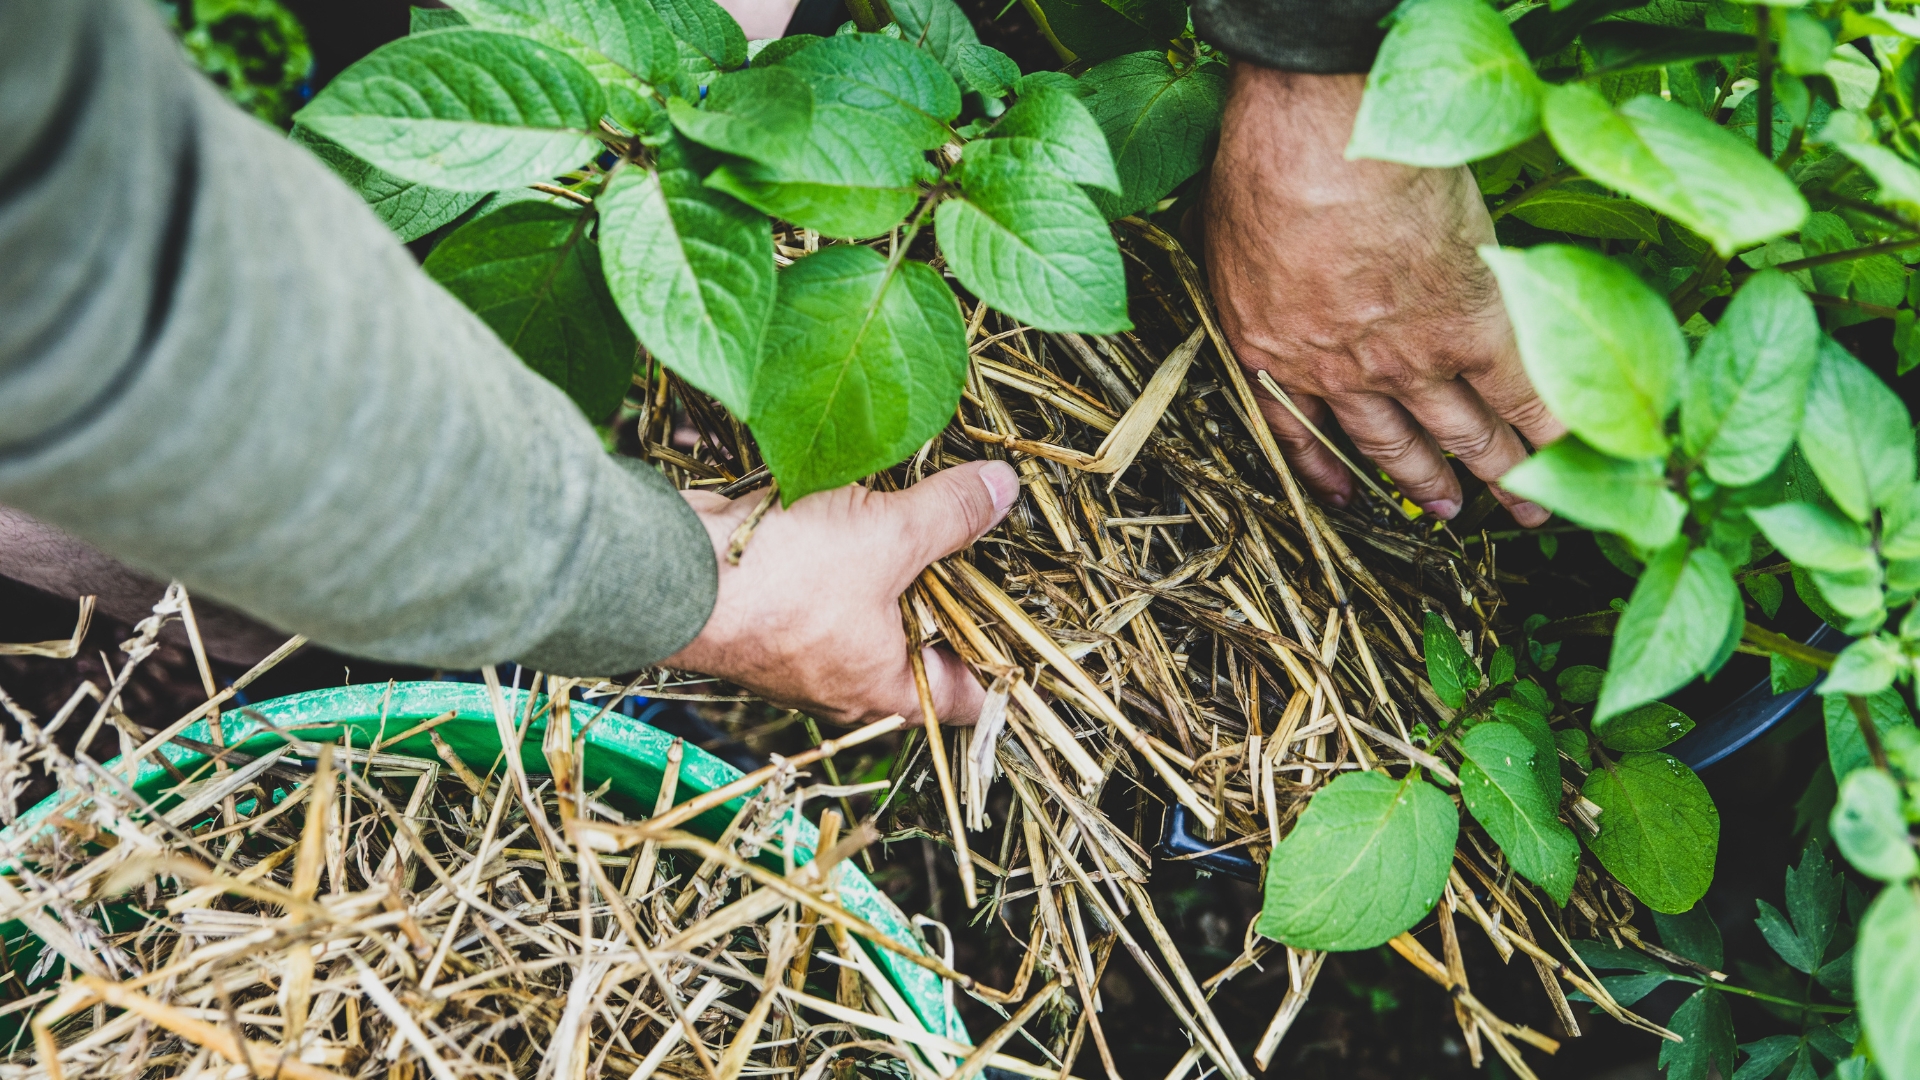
x: 1451, y: 85
x: 1705, y: 1022
x: 1092, y: 31
x: 1677, y: 162
x: 532, y: 273
x: 1366, y: 860
x: 937, y: 26
x: 1814, y: 894
x: 1674, y: 625
x: 1580, y: 684
x: 758, y: 114
x: 1497, y: 782
x: 1584, y: 214
x: 1846, y: 746
x: 1887, y: 981
x: 463, y: 110
x: 1601, y: 348
x: 1746, y: 388
x: 1659, y: 829
x: 1449, y: 669
x: 1532, y: 723
x: 862, y: 363
x: 1157, y: 119
x: 615, y: 39
x: 1870, y: 828
x: 846, y: 176
x: 1649, y: 727
x: 1856, y: 435
x: 708, y: 39
x: 1629, y: 497
x: 411, y: 210
x: 879, y: 78
x: 1032, y: 245
x: 1051, y: 129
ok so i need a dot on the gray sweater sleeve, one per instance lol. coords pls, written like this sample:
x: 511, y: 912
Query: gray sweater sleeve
x: 217, y: 365
x: 1322, y: 37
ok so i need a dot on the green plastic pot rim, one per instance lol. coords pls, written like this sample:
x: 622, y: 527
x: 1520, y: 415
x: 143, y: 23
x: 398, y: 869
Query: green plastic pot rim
x: 618, y: 748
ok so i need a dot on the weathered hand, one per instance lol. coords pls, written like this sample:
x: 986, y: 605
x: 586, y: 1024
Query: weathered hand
x: 810, y: 618
x: 1356, y: 286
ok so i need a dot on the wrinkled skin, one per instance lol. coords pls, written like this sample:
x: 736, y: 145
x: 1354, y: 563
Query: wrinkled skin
x: 1356, y: 286
x: 810, y: 618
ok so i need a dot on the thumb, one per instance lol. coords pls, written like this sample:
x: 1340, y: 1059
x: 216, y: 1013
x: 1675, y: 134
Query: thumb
x: 952, y: 508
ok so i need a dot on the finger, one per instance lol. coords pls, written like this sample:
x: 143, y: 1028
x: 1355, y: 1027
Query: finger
x: 1389, y: 437
x: 1504, y: 386
x: 953, y: 508
x: 957, y: 694
x: 1312, y: 462
x: 1466, y: 427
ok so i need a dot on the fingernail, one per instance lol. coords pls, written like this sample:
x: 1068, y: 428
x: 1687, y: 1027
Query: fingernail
x: 1442, y: 508
x: 1003, y: 485
x: 1339, y: 501
x: 1523, y: 511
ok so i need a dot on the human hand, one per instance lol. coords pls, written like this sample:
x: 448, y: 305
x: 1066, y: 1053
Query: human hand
x: 1357, y: 287
x: 810, y: 618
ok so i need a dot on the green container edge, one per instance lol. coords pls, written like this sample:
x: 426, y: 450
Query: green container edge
x: 631, y: 754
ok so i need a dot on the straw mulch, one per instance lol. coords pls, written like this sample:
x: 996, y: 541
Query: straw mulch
x: 1164, y: 617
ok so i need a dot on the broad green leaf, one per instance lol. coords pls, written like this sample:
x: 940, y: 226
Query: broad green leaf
x: 1366, y: 860
x: 1856, y: 435
x: 1780, y: 935
x: 1157, y: 119
x: 1573, y: 743
x: 1855, y: 78
x: 1900, y: 527
x: 939, y: 27
x: 1659, y: 829
x: 1705, y: 1022
x: 1846, y: 747
x: 1746, y: 388
x: 1785, y: 673
x: 877, y: 77
x: 1450, y: 85
x: 1618, y: 45
x: 1052, y: 130
x: 1649, y: 727
x: 1676, y: 161
x: 1815, y: 537
x: 1650, y: 974
x: 1601, y: 347
x: 1765, y: 1056
x: 710, y: 40
x: 759, y: 113
x: 1766, y: 591
x: 1546, y: 756
x: 987, y: 71
x: 1033, y: 246
x: 411, y: 210
x: 1886, y: 981
x: 1867, y: 666
x: 863, y: 363
x: 692, y: 270
x: 1693, y: 935
x: 1897, y: 178
x: 1675, y: 623
x: 1449, y: 669
x: 1096, y: 31
x: 847, y: 176
x: 1870, y: 828
x: 1585, y: 214
x: 531, y: 272
x: 1500, y: 669
x: 426, y: 20
x: 1805, y: 45
x: 1590, y: 488
x: 463, y: 110
x: 1814, y: 894
x: 1497, y: 783
x: 1581, y: 683
x: 615, y: 39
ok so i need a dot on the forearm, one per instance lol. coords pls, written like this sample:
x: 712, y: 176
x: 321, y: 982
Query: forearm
x: 1317, y: 36
x: 216, y: 365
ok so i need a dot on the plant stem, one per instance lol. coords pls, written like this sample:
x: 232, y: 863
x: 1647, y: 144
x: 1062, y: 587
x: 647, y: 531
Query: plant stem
x: 1758, y: 996
x: 1687, y: 299
x: 869, y: 15
x: 1538, y: 186
x: 1878, y: 311
x: 1849, y: 254
x: 1046, y: 31
x: 1763, y: 100
x: 1782, y: 645
x: 1864, y: 717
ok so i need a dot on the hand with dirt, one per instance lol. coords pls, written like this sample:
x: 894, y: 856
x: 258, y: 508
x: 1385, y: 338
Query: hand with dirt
x: 1356, y: 286
x: 810, y: 617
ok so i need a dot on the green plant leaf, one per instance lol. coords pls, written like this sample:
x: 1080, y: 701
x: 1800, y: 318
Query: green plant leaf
x: 531, y: 272
x: 1693, y: 935
x: 1813, y: 912
x: 1573, y: 743
x: 1815, y: 537
x: 1659, y: 829
x: 1585, y: 214
x: 877, y: 77
x: 1857, y: 435
x: 426, y: 20
x: 1649, y: 727
x: 1765, y: 1056
x: 987, y: 71
x: 939, y: 27
x: 1706, y: 1024
x: 847, y: 175
x: 1786, y: 674
x: 1498, y: 785
x: 1897, y: 179
x: 1867, y: 666
x: 1449, y: 669
x: 1886, y: 981
x: 692, y: 270
x: 411, y: 210
x: 1601, y: 347
x: 1581, y: 683
x: 863, y: 363
x: 1766, y: 591
x: 1500, y: 669
x: 1366, y: 860
x: 615, y: 39
x: 1450, y: 85
x: 463, y: 110
x: 1051, y: 129
x: 1033, y: 246
x: 1092, y: 31
x: 710, y: 40
x: 1590, y: 488
x: 1846, y: 747
x: 1619, y: 45
x: 1870, y: 828
x: 1157, y: 119
x: 760, y: 113
x: 1746, y: 388
x: 1674, y: 625
x: 1676, y: 161
x: 1546, y: 757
